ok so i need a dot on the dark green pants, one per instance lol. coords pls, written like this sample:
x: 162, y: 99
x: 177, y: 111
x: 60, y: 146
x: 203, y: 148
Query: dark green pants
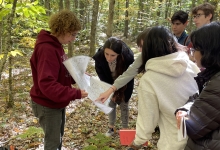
x: 52, y: 121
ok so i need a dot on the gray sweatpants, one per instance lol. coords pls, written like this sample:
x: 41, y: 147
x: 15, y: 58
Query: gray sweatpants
x: 124, y: 114
x: 52, y: 121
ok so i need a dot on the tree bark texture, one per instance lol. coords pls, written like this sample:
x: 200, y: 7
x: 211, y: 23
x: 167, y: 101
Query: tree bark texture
x: 110, y: 18
x: 93, y: 27
x: 126, y: 19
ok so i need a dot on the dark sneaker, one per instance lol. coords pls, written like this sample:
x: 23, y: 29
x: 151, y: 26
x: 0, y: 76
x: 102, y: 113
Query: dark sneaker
x: 110, y: 132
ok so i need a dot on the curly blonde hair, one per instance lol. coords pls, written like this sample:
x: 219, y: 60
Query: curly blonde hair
x: 64, y: 22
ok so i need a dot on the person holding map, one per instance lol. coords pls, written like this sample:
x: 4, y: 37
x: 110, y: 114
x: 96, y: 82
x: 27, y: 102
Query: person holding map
x: 51, y: 91
x: 112, y: 60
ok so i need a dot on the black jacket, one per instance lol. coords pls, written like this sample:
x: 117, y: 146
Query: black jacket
x: 104, y: 73
x: 203, y: 123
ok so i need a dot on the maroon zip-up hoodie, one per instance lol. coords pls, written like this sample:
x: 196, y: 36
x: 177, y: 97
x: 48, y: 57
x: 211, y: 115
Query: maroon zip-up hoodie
x: 52, y: 82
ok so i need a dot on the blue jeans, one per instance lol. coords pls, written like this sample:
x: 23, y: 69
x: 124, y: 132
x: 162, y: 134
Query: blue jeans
x: 52, y: 121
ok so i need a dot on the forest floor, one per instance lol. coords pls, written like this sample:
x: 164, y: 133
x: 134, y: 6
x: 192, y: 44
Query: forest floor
x: 84, y: 120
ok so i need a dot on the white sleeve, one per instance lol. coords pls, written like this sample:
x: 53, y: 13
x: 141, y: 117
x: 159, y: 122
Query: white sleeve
x: 148, y: 116
x: 129, y: 74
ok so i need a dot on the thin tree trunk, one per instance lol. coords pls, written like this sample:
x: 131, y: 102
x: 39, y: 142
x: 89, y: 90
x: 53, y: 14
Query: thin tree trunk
x: 110, y: 18
x: 190, y: 20
x: 47, y: 6
x: 117, y: 15
x: 139, y: 18
x: 167, y: 8
x: 9, y: 43
x: 82, y: 13
x: 158, y: 11
x: 93, y: 27
x: 60, y: 5
x: 67, y: 4
x: 1, y: 37
x: 3, y: 50
x: 126, y: 19
x: 76, y: 7
x: 70, y: 45
x: 10, y: 103
x: 2, y: 63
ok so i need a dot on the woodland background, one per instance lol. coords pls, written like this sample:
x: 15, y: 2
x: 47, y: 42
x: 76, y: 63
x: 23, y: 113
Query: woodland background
x: 20, y: 22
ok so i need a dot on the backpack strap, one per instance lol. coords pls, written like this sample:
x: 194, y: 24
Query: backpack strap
x: 186, y: 39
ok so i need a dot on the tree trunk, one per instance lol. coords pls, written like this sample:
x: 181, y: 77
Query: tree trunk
x: 139, y: 18
x: 1, y: 37
x: 110, y: 18
x: 2, y: 63
x: 10, y: 103
x: 70, y: 45
x: 159, y: 11
x: 190, y: 20
x: 126, y: 19
x: 93, y: 26
x: 9, y: 47
x: 76, y: 7
x: 82, y: 13
x: 117, y: 15
x: 47, y: 6
x: 167, y: 8
x: 88, y: 16
x: 60, y: 5
x: 3, y: 50
x: 67, y: 4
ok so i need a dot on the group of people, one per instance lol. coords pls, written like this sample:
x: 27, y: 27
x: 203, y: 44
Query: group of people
x: 172, y: 85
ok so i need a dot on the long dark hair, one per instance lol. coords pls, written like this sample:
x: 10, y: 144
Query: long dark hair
x: 158, y: 42
x: 141, y: 36
x: 206, y: 40
x: 117, y: 46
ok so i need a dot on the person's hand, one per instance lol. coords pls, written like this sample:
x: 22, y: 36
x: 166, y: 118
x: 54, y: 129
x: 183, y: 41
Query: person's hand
x: 185, y: 49
x: 179, y: 116
x: 189, y: 54
x: 88, y: 74
x: 84, y: 94
x: 104, y: 96
x: 181, y: 47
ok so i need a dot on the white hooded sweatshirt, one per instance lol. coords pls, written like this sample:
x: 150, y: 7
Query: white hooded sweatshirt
x: 166, y: 86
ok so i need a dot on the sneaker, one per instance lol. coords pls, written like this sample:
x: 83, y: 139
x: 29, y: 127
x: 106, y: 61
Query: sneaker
x: 110, y: 132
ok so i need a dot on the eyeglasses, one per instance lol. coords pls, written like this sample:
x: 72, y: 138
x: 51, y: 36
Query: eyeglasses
x: 197, y: 16
x: 192, y: 51
x: 74, y: 34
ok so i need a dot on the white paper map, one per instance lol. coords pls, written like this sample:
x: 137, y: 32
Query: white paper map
x: 77, y: 66
x: 182, y: 134
x: 95, y: 89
